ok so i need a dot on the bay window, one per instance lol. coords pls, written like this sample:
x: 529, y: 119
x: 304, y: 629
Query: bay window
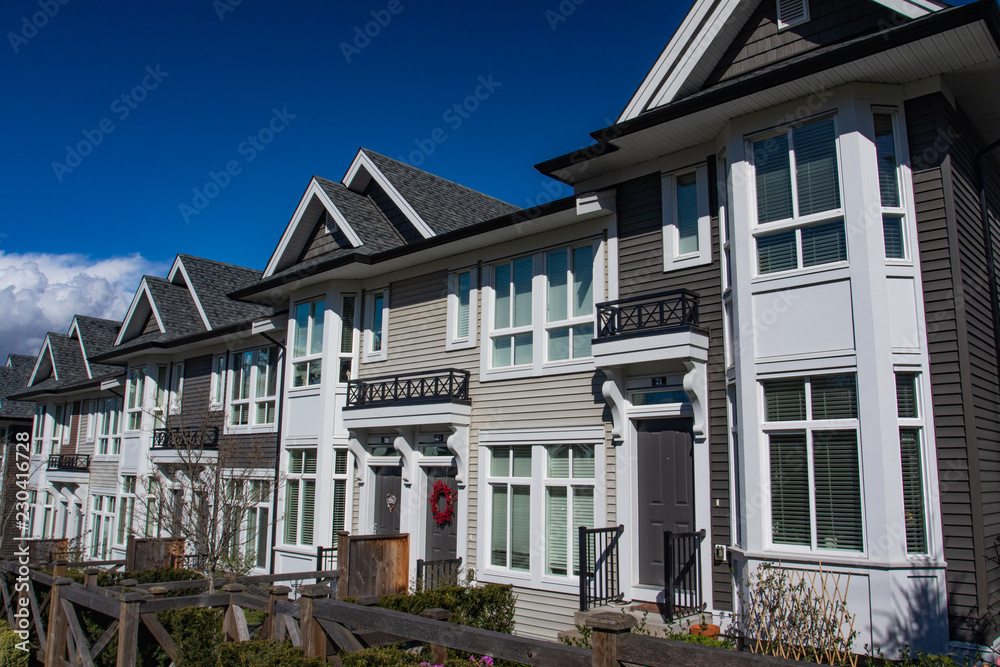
x: 300, y: 497
x: 890, y: 195
x: 912, y: 461
x: 134, y: 405
x: 376, y: 325
x: 39, y: 432
x: 811, y: 426
x: 102, y: 525
x: 109, y: 434
x: 348, y: 316
x: 800, y: 216
x: 160, y: 397
x: 687, y: 222
x: 253, y: 387
x: 307, y: 347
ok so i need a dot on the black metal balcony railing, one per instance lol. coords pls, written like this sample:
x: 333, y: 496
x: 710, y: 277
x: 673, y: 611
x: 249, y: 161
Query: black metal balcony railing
x: 675, y: 309
x: 179, y: 438
x: 70, y: 462
x: 432, y: 386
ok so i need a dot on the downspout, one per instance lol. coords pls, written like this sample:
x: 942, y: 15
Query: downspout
x: 277, y: 457
x: 991, y: 271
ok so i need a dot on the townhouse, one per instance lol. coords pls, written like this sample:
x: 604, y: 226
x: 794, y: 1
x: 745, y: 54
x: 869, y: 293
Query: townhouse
x: 15, y: 426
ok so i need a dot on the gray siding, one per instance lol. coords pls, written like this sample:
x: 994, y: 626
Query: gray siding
x: 321, y: 241
x: 640, y: 234
x: 760, y: 44
x: 103, y: 475
x: 964, y: 375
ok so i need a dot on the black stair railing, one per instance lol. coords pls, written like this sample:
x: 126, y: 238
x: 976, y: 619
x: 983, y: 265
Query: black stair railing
x: 682, y: 573
x: 326, y: 558
x: 432, y: 574
x: 180, y: 438
x: 430, y: 386
x: 69, y: 462
x: 598, y: 565
x: 647, y: 314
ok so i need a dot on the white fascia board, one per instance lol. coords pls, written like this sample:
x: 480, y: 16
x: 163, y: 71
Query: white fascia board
x: 912, y: 9
x: 362, y: 160
x: 113, y: 383
x: 179, y: 266
x: 75, y: 326
x: 46, y: 347
x: 143, y: 289
x: 314, y: 190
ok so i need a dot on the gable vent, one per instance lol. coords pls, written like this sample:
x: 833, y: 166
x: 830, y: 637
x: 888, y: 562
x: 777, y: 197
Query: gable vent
x: 792, y: 12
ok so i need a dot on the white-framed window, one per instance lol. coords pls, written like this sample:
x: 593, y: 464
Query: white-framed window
x: 152, y: 507
x: 307, y: 347
x: 126, y: 510
x: 890, y: 180
x: 799, y: 206
x: 102, y: 525
x: 339, y: 491
x: 300, y: 497
x: 39, y: 432
x: 136, y: 392
x: 176, y: 388
x: 811, y: 427
x: 58, y: 427
x: 247, y: 515
x: 540, y: 310
x: 48, y: 517
x: 32, y: 512
x: 348, y: 336
x: 86, y: 428
x: 687, y: 221
x: 912, y: 460
x: 253, y: 387
x: 217, y: 392
x: 376, y: 325
x: 109, y: 435
x: 792, y: 13
x: 161, y: 396
x: 463, y: 295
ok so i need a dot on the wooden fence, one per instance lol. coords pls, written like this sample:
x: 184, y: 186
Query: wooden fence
x: 373, y: 564
x: 321, y: 626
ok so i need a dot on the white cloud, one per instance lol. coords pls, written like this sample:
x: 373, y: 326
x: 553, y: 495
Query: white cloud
x: 42, y: 292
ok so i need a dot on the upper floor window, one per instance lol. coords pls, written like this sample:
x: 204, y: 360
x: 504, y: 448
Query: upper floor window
x: 890, y: 195
x: 254, y: 387
x: 39, y: 433
x: 687, y: 222
x: 109, y: 435
x: 462, y: 297
x: 376, y: 325
x: 134, y: 404
x: 800, y: 218
x: 348, y: 316
x: 217, y: 391
x: 307, y: 349
x: 60, y: 427
x: 160, y: 397
x: 176, y: 387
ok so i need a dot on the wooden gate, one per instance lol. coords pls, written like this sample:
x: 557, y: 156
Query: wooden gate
x: 373, y: 564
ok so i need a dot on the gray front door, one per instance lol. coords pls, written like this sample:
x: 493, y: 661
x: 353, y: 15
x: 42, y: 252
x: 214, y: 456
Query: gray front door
x: 388, y: 500
x: 665, y: 449
x: 442, y: 540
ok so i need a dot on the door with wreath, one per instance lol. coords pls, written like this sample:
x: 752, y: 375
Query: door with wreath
x: 442, y: 524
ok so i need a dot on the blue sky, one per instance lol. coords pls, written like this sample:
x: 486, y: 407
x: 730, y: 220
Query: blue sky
x: 200, y: 77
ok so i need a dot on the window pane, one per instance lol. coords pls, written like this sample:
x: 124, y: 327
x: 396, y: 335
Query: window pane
x: 315, y: 371
x: 555, y: 530
x: 340, y: 462
x: 892, y: 233
x: 559, y: 461
x: 262, y: 538
x: 816, y: 167
x: 834, y: 397
x: 339, y: 505
x: 377, y: 315
x: 583, y: 281
x: 522, y: 349
x: 347, y: 325
x: 838, y: 490
x: 790, y: 523
x: 559, y: 345
x: 522, y: 461
x: 913, y: 491
x: 885, y: 148
x: 776, y: 252
x: 292, y: 512
x: 316, y: 337
x: 498, y: 539
x: 520, y: 528
x: 501, y: 352
x: 583, y: 337
x: 583, y: 461
x: 301, y: 329
x: 774, y: 181
x: 300, y: 372
x: 464, y: 291
x: 687, y: 213
x: 501, y: 305
x: 556, y: 268
x: 583, y: 515
x: 500, y: 461
x: 906, y: 395
x: 785, y: 400
x: 823, y: 244
x: 308, y: 509
x: 295, y: 462
x: 309, y: 462
x: 522, y: 292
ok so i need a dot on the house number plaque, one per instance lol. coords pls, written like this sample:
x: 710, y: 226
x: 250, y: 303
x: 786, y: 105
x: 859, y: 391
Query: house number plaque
x: 390, y: 501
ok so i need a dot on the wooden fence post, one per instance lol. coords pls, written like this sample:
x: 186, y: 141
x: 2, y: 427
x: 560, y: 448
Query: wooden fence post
x: 607, y: 627
x: 234, y: 623
x: 55, y: 641
x: 275, y: 627
x: 313, y: 636
x: 343, y: 564
x: 90, y: 576
x: 128, y: 629
x: 439, y: 653
x: 158, y: 592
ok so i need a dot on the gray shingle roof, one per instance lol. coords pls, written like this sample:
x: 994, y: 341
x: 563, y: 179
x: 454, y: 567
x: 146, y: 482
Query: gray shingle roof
x: 445, y: 206
x: 212, y: 281
x: 98, y: 337
x: 13, y: 380
x: 68, y: 358
x: 175, y: 306
x: 364, y: 218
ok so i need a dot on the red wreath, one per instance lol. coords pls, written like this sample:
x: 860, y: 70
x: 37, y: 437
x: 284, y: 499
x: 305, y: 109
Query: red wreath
x: 442, y: 516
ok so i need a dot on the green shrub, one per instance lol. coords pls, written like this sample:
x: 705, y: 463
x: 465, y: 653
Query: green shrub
x: 393, y: 656
x: 490, y: 607
x: 263, y: 653
x: 10, y: 654
x: 197, y: 633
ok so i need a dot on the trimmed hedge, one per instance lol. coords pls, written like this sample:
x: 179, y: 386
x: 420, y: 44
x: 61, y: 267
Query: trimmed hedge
x: 10, y: 655
x: 490, y: 607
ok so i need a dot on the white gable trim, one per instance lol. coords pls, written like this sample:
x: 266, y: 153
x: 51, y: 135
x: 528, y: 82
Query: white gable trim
x: 689, y: 45
x: 75, y: 326
x: 46, y: 347
x: 179, y: 266
x: 127, y: 323
x: 314, y: 190
x: 362, y: 160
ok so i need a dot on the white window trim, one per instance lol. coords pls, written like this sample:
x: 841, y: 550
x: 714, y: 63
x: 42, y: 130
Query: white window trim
x: 175, y: 393
x: 919, y: 423
x: 370, y: 355
x: 352, y: 355
x: 901, y: 211
x: 111, y: 436
x: 250, y: 427
x: 161, y: 396
x: 672, y: 260
x: 217, y: 387
x: 309, y: 356
x: 298, y: 478
x: 453, y: 341
x: 539, y: 367
x: 140, y: 400
x: 126, y: 499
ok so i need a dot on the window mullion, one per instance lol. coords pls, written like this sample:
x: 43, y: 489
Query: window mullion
x: 792, y: 172
x: 810, y: 462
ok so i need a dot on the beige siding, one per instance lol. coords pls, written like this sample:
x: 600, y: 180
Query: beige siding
x: 543, y: 614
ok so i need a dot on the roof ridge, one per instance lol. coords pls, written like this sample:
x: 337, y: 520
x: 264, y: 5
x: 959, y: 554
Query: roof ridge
x: 220, y: 263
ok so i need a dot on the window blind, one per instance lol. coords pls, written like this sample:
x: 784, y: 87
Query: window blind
x: 583, y: 337
x: 309, y: 462
x: 319, y: 315
x: 559, y: 462
x: 292, y: 512
x: 583, y: 515
x: 522, y: 349
x: 834, y: 397
x: 347, y: 325
x: 501, y: 351
x: 501, y: 299
x: 583, y: 281
x: 464, y: 291
x: 906, y: 395
x: 521, y: 461
x: 790, y: 522
x: 686, y: 192
x: 559, y: 344
x: 522, y: 291
x: 555, y: 530
x: 838, y: 490
x: 913, y: 491
x: 774, y: 185
x: 777, y: 252
x: 340, y: 462
x: 520, y: 528
x: 339, y: 505
x: 301, y: 329
x: 816, y: 170
x: 885, y: 149
x: 557, y: 301
x: 785, y: 400
x: 824, y: 244
x: 498, y: 538
x: 308, y: 509
x: 892, y: 233
x: 583, y: 461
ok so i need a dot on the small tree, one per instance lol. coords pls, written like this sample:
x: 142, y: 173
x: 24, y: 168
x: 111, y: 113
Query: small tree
x: 13, y: 494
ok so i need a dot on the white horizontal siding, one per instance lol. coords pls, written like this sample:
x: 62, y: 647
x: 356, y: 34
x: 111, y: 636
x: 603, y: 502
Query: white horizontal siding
x: 543, y: 614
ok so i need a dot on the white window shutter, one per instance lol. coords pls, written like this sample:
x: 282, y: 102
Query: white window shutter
x: 792, y: 12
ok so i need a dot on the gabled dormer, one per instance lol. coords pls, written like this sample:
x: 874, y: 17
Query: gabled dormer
x: 365, y: 177
x: 142, y: 316
x: 45, y: 364
x: 93, y: 336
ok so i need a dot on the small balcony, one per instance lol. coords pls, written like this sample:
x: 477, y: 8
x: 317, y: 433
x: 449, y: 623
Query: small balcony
x: 69, y: 462
x: 429, y: 397
x: 656, y: 313
x: 185, y: 438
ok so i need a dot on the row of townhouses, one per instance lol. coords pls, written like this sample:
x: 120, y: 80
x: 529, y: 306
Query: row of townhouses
x: 769, y: 312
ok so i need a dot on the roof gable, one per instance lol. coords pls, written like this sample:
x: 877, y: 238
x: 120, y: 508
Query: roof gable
x: 706, y: 36
x: 94, y: 336
x: 365, y: 177
x: 138, y: 313
x: 45, y: 364
x: 210, y: 282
